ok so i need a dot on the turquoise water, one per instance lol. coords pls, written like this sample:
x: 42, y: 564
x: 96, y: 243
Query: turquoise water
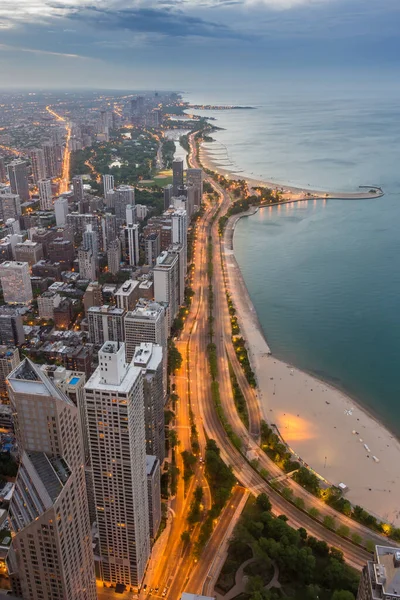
x: 324, y: 276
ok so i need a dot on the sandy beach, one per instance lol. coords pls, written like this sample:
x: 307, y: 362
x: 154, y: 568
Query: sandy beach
x: 211, y: 159
x: 333, y: 434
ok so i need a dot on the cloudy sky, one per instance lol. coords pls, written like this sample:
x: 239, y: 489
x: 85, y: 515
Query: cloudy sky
x: 188, y: 44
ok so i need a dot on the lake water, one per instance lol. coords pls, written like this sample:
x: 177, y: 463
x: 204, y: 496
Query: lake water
x: 324, y: 276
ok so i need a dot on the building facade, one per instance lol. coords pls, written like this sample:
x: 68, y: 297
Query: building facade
x: 16, y: 282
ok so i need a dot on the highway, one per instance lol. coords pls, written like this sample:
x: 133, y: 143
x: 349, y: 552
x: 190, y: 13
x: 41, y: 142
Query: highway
x: 64, y: 180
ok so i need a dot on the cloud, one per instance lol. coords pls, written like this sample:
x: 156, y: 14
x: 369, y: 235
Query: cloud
x: 7, y: 47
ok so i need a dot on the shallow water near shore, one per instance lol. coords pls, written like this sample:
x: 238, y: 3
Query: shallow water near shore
x: 324, y: 276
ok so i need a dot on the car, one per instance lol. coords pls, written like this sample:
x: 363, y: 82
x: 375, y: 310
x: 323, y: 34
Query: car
x: 145, y: 587
x: 164, y: 593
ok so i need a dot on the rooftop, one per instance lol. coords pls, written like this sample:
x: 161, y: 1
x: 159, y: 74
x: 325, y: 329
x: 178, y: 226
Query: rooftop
x: 28, y: 378
x: 127, y: 288
x: 106, y: 309
x: 52, y: 478
x: 387, y: 569
x: 145, y: 310
x: 148, y: 356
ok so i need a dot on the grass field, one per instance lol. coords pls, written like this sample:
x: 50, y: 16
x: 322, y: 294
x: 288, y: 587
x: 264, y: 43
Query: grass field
x: 161, y: 179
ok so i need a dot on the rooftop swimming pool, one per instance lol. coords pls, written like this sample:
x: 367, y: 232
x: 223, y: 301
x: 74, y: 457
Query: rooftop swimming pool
x: 74, y: 381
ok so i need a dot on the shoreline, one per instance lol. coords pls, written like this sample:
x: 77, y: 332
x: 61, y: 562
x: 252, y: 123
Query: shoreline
x: 317, y: 419
x: 289, y: 192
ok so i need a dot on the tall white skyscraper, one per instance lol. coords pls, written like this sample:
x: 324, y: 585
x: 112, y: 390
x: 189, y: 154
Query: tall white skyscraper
x: 16, y: 282
x: 45, y: 194
x: 115, y: 417
x: 108, y: 183
x: 61, y: 211
x: 38, y: 164
x: 166, y: 283
x: 130, y: 214
x: 179, y: 231
x: 146, y: 323
x: 132, y: 237
x: 51, y: 550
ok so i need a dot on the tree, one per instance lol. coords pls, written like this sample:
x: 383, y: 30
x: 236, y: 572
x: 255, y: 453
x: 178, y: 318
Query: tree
x: 173, y: 438
x: 329, y: 522
x: 174, y: 358
x: 343, y: 531
x: 313, y: 512
x: 342, y: 595
x: 263, y: 502
x: 185, y: 537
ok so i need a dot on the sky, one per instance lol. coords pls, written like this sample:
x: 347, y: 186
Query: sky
x: 193, y: 44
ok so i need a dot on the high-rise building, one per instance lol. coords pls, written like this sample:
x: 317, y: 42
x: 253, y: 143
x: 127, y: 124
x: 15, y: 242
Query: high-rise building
x: 11, y: 327
x: 127, y: 294
x: 10, y: 206
x: 110, y: 229
x: 90, y: 240
x: 114, y: 256
x: 106, y: 323
x: 93, y: 296
x: 141, y: 211
x: 194, y: 177
x: 177, y: 175
x: 179, y: 231
x: 61, y: 210
x: 124, y: 195
x: 9, y: 360
x: 30, y: 252
x: 168, y: 193
x: 108, y: 183
x: 180, y: 252
x: 3, y: 170
x: 38, y: 164
x: 115, y: 417
x: 130, y: 214
x: 87, y: 264
x: 146, y: 323
x: 50, y: 159
x: 18, y: 176
x: 166, y: 283
x: 154, y: 494
x: 152, y: 248
x: 191, y: 201
x: 51, y: 550
x: 132, y: 243
x: 77, y: 187
x: 16, y: 282
x: 45, y: 194
x: 149, y: 357
x: 380, y: 578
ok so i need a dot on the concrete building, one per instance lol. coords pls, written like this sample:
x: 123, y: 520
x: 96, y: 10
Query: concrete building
x: 61, y: 251
x: 10, y: 206
x: 108, y: 183
x: 50, y: 158
x: 115, y: 417
x: 152, y: 248
x: 18, y: 176
x: 106, y: 323
x: 3, y: 170
x: 168, y: 193
x: 38, y: 164
x: 51, y: 550
x: 16, y: 282
x: 61, y: 210
x: 93, y: 296
x: 87, y: 264
x: 177, y: 176
x: 130, y: 212
x: 114, y: 256
x: 110, y: 229
x: 30, y: 252
x: 11, y: 327
x: 47, y: 302
x: 131, y: 232
x: 380, y: 579
x: 127, y: 294
x: 179, y: 231
x: 180, y: 252
x: 77, y: 187
x: 45, y: 194
x: 154, y: 494
x: 194, y: 177
x: 124, y: 196
x: 90, y: 241
x: 9, y: 360
x: 149, y: 357
x: 146, y: 323
x: 141, y: 211
x: 166, y: 283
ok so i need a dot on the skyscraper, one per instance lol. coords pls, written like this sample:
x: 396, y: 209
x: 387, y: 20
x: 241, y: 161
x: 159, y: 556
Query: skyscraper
x: 179, y: 231
x: 168, y: 193
x: 132, y: 238
x: 115, y: 417
x: 87, y: 264
x: 124, y: 195
x: 380, y: 577
x: 10, y: 206
x: 114, y: 256
x: 195, y: 177
x: 51, y: 550
x: 177, y: 176
x: 149, y: 357
x: 166, y: 283
x: 146, y: 323
x: 3, y: 170
x: 16, y: 282
x: 38, y: 164
x: 18, y: 176
x: 45, y: 194
x: 90, y: 240
x: 61, y: 211
x: 108, y: 183
x: 105, y: 323
x: 50, y: 159
x: 154, y: 494
x: 77, y: 186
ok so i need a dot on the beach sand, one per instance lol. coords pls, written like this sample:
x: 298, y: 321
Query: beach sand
x: 333, y: 434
